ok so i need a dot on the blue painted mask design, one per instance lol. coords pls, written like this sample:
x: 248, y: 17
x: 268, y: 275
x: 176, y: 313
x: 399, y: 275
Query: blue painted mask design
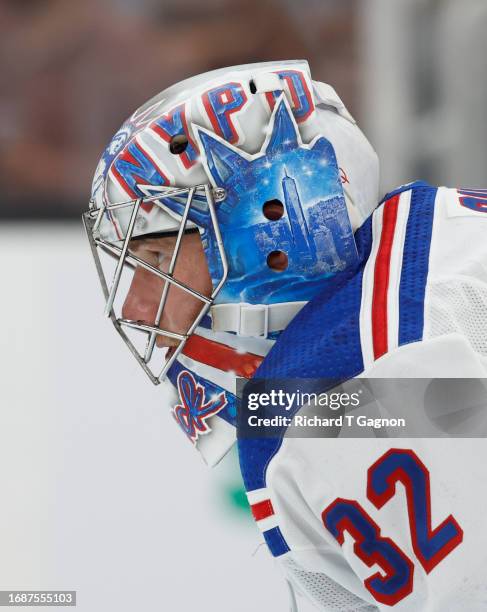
x: 314, y: 231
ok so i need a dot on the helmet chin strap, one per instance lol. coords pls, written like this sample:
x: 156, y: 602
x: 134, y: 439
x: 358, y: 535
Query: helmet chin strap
x: 253, y: 320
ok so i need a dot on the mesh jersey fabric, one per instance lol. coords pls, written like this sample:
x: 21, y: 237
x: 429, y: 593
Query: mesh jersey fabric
x: 325, y: 592
x: 459, y: 305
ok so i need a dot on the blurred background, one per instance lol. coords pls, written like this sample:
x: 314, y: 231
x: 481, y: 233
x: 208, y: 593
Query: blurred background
x: 100, y: 492
x: 411, y: 71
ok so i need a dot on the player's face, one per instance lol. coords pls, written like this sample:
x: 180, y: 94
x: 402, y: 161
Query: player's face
x: 181, y: 308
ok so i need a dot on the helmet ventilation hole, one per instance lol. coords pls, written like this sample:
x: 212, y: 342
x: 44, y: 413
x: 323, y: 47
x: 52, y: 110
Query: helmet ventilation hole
x: 273, y: 210
x: 277, y: 260
x: 178, y: 144
x: 253, y: 88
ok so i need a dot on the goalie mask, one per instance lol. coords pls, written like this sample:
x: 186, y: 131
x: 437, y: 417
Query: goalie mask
x: 255, y: 178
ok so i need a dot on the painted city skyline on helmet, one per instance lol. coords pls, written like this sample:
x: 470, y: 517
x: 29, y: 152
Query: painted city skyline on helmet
x: 314, y: 231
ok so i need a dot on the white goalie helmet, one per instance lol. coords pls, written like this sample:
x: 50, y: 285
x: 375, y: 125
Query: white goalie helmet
x: 271, y: 171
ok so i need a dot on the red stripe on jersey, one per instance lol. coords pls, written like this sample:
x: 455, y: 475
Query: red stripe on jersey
x: 262, y: 510
x: 381, y: 278
x: 221, y: 356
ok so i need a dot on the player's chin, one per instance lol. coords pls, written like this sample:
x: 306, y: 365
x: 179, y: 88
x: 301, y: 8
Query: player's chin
x: 169, y: 344
x: 170, y: 352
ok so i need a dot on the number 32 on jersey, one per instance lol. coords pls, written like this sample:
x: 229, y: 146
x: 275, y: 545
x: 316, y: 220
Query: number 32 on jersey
x: 430, y: 545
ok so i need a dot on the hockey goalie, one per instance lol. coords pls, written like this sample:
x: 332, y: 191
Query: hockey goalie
x: 241, y: 216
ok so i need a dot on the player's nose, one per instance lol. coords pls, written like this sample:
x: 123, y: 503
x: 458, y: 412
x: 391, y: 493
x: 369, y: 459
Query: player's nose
x: 142, y: 303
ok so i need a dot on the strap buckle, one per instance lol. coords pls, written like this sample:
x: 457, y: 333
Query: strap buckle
x: 253, y: 320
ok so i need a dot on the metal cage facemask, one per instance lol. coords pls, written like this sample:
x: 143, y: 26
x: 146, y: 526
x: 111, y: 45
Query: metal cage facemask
x: 119, y: 251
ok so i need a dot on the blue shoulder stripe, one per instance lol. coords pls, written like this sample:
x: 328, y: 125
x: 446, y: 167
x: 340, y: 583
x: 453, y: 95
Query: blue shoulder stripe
x: 415, y: 264
x: 403, y: 188
x: 276, y: 542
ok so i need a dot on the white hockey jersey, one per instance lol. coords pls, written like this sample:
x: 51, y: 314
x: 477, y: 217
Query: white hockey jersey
x: 373, y: 524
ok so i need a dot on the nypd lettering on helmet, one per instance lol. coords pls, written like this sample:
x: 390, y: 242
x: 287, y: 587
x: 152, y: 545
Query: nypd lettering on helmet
x: 302, y: 101
x: 174, y: 123
x: 135, y: 166
x: 220, y: 104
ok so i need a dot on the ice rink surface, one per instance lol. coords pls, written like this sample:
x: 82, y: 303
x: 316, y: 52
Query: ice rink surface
x: 100, y: 491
